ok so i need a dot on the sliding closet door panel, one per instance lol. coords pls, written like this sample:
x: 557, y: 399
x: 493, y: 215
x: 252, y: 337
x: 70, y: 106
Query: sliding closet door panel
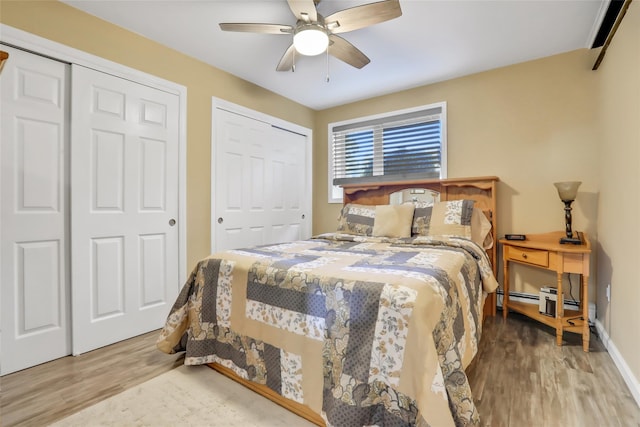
x: 124, y: 208
x: 288, y: 179
x: 33, y: 211
x: 240, y: 186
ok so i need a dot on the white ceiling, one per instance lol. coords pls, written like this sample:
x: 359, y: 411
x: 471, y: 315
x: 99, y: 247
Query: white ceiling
x: 433, y: 40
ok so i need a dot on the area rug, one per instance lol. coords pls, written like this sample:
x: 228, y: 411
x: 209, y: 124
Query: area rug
x: 186, y: 396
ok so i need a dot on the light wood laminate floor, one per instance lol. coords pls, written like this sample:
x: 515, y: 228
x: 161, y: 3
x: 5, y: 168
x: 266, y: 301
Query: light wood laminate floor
x: 45, y: 393
x: 519, y: 378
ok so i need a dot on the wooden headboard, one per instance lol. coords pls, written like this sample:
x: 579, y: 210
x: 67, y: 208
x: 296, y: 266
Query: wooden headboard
x: 480, y: 189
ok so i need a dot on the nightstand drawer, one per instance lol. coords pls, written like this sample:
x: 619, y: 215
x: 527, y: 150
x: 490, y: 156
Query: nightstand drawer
x: 530, y: 256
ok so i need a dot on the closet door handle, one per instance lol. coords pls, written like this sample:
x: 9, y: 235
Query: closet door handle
x: 220, y: 220
x: 172, y: 222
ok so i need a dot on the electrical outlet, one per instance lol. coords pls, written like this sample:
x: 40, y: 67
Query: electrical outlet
x: 609, y: 292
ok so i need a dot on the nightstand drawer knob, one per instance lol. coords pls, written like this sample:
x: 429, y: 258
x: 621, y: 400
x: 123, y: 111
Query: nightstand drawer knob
x: 524, y: 256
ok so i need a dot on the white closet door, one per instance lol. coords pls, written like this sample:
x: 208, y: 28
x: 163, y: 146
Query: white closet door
x: 290, y: 199
x: 124, y: 201
x: 33, y: 211
x: 240, y: 188
x: 260, y: 183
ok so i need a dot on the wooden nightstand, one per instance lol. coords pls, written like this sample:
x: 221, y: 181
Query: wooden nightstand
x: 545, y: 251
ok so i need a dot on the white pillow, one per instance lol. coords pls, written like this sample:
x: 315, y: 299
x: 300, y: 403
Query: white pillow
x: 481, y: 229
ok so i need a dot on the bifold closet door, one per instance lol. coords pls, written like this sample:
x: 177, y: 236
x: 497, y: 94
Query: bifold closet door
x: 34, y: 148
x: 124, y: 197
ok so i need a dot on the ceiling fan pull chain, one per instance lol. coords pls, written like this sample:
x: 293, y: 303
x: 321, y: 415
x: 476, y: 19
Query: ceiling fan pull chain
x: 327, y: 65
x: 293, y: 62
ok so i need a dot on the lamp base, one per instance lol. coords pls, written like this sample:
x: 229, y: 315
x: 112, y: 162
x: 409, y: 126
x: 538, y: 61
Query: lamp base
x: 572, y: 240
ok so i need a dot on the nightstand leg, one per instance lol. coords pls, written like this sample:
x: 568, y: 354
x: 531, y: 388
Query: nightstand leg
x: 505, y: 289
x: 584, y: 300
x: 559, y: 335
x: 559, y: 310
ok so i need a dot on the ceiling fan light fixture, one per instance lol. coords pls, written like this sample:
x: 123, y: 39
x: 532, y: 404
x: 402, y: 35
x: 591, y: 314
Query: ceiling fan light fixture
x: 313, y: 34
x: 310, y: 40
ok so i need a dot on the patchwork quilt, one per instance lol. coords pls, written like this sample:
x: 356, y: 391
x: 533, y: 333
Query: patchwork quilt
x: 363, y: 330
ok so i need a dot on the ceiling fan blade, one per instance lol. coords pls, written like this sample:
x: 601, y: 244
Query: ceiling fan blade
x: 363, y: 16
x: 286, y: 63
x: 304, y: 10
x: 257, y: 28
x: 345, y: 51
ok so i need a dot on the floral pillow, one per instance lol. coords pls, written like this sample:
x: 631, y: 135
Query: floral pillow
x: 357, y: 219
x: 451, y: 218
x: 421, y: 218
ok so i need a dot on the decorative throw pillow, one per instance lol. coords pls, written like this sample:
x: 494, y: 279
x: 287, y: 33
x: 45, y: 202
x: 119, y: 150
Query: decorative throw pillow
x: 356, y: 219
x: 421, y: 218
x: 393, y: 220
x: 451, y: 218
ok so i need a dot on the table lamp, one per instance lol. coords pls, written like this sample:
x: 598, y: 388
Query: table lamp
x: 567, y: 192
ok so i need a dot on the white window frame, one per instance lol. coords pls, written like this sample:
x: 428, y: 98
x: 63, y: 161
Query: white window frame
x: 335, y: 191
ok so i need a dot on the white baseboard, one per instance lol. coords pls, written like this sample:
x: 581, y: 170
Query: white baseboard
x: 625, y: 371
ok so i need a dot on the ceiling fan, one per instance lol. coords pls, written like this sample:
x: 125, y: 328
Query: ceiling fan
x: 314, y: 34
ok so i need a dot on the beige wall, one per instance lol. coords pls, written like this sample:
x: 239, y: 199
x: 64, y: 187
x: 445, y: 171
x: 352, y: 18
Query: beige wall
x: 530, y: 124
x: 64, y: 24
x: 618, y: 253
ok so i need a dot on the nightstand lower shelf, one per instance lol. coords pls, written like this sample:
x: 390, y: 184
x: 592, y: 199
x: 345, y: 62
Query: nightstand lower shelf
x: 571, y: 321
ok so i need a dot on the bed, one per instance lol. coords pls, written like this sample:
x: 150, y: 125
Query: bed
x: 370, y: 325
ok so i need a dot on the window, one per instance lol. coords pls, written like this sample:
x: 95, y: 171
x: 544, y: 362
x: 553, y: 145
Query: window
x: 396, y: 146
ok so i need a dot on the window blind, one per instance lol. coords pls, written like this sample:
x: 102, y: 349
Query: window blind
x: 398, y: 147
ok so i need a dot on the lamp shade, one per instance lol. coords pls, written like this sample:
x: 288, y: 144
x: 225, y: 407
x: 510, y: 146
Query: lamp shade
x: 311, y: 40
x: 567, y: 190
